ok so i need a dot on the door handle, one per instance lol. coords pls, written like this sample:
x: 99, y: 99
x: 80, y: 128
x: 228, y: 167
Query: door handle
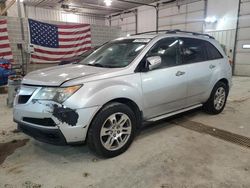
x: 212, y: 66
x: 180, y: 73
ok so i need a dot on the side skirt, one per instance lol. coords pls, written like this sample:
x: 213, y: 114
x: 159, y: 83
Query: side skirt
x: 157, y: 118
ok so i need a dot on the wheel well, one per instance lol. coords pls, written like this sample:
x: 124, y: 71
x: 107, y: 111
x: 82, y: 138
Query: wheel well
x: 225, y: 81
x: 131, y: 104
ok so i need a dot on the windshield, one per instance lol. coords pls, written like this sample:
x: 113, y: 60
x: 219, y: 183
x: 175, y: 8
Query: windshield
x: 116, y: 54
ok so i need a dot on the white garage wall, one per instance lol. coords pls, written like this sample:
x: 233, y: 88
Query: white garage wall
x: 184, y: 15
x: 224, y: 30
x: 57, y: 15
x: 189, y: 15
x: 146, y: 19
x: 242, y: 60
x: 126, y: 22
x: 54, y: 15
x: 226, y: 12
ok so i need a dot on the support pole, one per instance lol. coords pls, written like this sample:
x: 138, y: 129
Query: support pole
x: 236, y: 37
x: 24, y: 65
x: 136, y: 21
x: 157, y: 17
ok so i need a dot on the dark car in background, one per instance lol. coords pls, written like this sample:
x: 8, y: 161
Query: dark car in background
x: 5, y: 71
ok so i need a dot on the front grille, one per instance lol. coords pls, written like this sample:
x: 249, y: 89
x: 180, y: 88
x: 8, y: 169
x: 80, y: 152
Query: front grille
x: 47, y: 122
x: 22, y: 99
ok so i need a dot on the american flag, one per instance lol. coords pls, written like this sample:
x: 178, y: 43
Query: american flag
x: 54, y: 43
x: 5, y: 50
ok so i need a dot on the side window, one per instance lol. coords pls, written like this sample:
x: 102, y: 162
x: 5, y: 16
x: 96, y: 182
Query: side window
x: 193, y: 50
x: 212, y: 52
x: 168, y: 50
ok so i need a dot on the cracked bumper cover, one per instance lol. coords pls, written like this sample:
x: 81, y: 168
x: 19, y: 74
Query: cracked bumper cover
x: 51, y: 136
x: 62, y: 132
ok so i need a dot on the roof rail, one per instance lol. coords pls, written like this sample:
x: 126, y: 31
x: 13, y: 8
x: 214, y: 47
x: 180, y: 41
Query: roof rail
x: 189, y: 32
x: 174, y: 32
x: 149, y: 32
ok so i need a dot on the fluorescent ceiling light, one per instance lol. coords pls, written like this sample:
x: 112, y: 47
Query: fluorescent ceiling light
x: 246, y: 46
x: 108, y: 2
x: 212, y: 19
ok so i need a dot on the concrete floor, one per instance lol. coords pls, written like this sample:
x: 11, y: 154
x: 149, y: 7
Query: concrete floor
x: 163, y: 156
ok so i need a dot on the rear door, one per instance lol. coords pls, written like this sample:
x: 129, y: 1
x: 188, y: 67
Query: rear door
x: 165, y: 88
x: 202, y: 63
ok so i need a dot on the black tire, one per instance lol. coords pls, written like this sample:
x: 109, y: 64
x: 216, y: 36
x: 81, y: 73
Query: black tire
x: 93, y: 139
x: 209, y: 106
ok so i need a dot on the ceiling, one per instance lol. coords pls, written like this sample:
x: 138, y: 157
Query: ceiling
x: 89, y: 6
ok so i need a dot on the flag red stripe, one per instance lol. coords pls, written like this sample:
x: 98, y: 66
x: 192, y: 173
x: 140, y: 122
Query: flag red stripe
x: 4, y: 38
x: 62, y: 53
x: 4, y: 45
x: 74, y: 45
x: 73, y: 39
x: 3, y: 30
x: 3, y: 21
x: 5, y: 53
x: 47, y: 58
x: 72, y: 26
x: 73, y: 32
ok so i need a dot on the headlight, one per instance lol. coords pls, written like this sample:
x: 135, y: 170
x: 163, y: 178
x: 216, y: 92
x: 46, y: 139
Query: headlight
x: 57, y: 94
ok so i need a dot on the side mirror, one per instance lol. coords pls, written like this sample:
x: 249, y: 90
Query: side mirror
x: 153, y: 62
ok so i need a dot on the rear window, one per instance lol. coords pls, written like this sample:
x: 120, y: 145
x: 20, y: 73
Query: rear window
x: 193, y: 50
x: 196, y: 50
x: 212, y: 52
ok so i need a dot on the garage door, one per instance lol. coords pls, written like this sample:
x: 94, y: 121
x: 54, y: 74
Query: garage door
x: 187, y: 15
x: 242, y: 59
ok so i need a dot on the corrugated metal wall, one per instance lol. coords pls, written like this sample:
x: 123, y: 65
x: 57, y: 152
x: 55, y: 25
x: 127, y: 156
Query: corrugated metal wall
x: 58, y: 15
x: 242, y: 60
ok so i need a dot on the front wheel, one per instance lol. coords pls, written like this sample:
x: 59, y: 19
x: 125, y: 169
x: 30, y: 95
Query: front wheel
x: 112, y: 130
x: 218, y: 98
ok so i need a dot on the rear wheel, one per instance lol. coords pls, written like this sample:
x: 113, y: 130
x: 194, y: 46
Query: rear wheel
x: 112, y: 130
x: 217, y: 100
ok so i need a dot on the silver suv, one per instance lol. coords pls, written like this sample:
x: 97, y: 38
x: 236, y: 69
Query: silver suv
x: 105, y: 98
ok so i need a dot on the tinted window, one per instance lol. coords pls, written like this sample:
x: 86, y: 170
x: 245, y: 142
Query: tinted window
x: 212, y: 52
x: 167, y: 49
x: 193, y: 50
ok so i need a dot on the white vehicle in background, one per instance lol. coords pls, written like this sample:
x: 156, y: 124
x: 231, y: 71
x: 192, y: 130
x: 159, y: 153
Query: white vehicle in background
x: 104, y: 99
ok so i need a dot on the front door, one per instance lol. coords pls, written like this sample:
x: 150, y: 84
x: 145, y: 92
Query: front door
x: 165, y: 88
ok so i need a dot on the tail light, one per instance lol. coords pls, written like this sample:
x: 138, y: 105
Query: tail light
x: 230, y: 62
x: 5, y: 66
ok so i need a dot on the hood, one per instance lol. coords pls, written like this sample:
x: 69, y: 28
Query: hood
x: 55, y: 76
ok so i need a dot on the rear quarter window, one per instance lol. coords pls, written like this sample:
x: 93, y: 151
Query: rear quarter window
x: 212, y: 52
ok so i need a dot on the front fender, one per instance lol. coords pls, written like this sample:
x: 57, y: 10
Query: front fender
x: 98, y: 93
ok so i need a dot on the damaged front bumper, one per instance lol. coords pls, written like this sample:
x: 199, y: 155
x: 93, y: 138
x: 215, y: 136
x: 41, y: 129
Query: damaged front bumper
x: 52, y: 122
x: 51, y: 136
